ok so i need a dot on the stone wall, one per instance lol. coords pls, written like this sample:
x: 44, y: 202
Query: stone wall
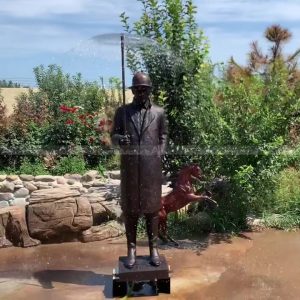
x: 46, y: 208
x: 16, y: 190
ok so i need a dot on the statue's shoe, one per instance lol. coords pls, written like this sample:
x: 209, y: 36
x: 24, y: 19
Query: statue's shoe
x: 131, y: 258
x: 154, y: 257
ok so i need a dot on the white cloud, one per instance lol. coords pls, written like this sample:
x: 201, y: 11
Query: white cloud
x: 35, y: 8
x: 57, y: 25
x: 31, y: 28
x: 22, y: 39
x: 247, y: 10
x: 105, y: 10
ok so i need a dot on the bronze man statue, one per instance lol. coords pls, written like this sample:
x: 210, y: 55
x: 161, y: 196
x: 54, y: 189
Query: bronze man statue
x: 140, y: 129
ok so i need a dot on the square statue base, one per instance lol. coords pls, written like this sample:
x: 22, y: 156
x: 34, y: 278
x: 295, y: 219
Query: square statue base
x: 142, y: 272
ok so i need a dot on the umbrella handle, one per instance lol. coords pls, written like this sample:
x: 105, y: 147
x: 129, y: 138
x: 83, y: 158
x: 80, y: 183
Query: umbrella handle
x: 123, y: 82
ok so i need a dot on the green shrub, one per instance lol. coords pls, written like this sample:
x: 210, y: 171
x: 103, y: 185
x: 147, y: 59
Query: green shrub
x: 101, y: 169
x: 72, y: 164
x: 287, y: 192
x: 286, y: 221
x: 34, y: 167
x: 112, y: 162
x: 7, y: 171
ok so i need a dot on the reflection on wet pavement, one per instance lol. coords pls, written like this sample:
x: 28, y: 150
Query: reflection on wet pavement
x: 250, y: 266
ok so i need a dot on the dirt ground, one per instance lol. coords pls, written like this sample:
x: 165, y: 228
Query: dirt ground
x: 249, y: 266
x: 9, y: 95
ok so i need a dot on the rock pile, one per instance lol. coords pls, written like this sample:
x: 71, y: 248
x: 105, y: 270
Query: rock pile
x: 60, y: 208
x: 16, y: 190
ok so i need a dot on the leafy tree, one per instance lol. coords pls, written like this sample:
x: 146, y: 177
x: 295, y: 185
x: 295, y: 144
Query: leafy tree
x: 174, y: 52
x: 9, y: 84
x: 62, y: 88
x: 257, y: 103
x: 267, y: 65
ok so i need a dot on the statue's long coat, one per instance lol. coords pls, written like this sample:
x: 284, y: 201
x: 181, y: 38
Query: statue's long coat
x: 141, y: 172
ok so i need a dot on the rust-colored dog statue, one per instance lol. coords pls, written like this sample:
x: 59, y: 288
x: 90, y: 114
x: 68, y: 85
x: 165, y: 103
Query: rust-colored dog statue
x: 183, y: 193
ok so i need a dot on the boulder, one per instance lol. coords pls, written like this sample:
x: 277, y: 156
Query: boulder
x: 6, y: 196
x: 97, y: 189
x: 42, y: 185
x: 60, y: 180
x: 7, y: 187
x: 58, y: 213
x: 44, y: 178
x: 25, y: 177
x: 45, y: 187
x: 51, y: 195
x: 113, y: 209
x: 30, y: 187
x: 2, y: 177
x: 13, y: 228
x: 12, y: 177
x: 95, y: 197
x: 114, y: 174
x: 71, y: 181
x: 18, y: 186
x: 113, y: 189
x: 104, y: 231
x: 76, y: 177
x: 4, y: 204
x: 89, y: 176
x: 21, y: 193
x: 4, y: 214
x: 100, y: 214
x: 98, y: 183
x: 18, y: 182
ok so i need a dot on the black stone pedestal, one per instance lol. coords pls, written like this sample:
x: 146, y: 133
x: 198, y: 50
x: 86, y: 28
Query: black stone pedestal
x: 142, y: 272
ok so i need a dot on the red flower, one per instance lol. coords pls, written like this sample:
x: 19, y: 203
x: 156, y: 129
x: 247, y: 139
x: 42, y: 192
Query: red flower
x: 69, y: 122
x: 73, y: 109
x: 66, y: 109
x: 101, y: 123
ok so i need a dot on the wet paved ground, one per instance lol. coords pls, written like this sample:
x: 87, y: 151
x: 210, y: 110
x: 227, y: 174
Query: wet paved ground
x: 252, y: 266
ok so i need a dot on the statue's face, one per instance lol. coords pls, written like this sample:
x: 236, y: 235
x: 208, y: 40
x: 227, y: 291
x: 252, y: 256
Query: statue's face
x: 141, y: 93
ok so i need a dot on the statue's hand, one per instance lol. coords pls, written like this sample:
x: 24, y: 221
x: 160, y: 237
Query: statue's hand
x: 124, y: 140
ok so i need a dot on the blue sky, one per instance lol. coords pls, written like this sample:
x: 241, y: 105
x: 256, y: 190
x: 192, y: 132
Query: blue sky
x: 37, y: 32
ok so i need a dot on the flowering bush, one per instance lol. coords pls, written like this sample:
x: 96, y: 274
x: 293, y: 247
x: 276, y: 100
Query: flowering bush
x: 93, y: 128
x: 65, y: 113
